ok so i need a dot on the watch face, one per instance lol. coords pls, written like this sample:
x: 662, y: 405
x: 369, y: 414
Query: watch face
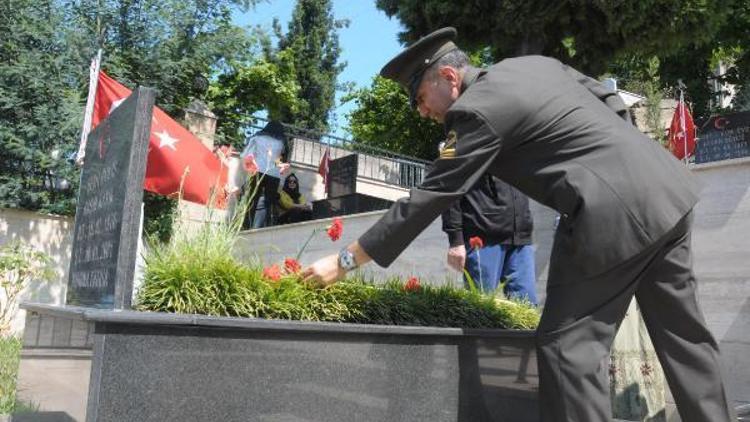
x: 346, y: 260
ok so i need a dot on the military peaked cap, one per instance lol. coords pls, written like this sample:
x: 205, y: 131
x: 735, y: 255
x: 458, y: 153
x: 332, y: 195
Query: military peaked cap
x: 408, y: 67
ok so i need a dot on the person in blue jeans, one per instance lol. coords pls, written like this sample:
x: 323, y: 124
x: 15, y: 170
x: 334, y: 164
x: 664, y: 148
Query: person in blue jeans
x: 499, y: 215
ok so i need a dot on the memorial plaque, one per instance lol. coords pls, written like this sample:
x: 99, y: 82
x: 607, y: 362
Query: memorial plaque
x: 108, y: 214
x: 342, y: 176
x: 723, y: 138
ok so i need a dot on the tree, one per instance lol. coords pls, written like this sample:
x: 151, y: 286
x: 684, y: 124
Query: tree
x: 384, y: 118
x: 174, y: 46
x: 266, y: 83
x: 694, y: 64
x: 20, y: 265
x: 587, y: 35
x: 313, y: 43
x: 40, y: 108
x: 733, y: 41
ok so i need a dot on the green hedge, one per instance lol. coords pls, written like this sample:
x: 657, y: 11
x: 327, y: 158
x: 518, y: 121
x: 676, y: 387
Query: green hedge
x: 197, y: 273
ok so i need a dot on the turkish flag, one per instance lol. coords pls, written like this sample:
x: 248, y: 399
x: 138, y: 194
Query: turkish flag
x: 323, y: 167
x: 173, y: 152
x: 682, y: 132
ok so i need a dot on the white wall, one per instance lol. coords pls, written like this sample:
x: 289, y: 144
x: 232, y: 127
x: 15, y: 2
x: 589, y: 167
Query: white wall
x: 49, y: 234
x: 721, y: 247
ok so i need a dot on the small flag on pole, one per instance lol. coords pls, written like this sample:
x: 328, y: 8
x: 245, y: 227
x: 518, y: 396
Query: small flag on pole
x: 682, y: 132
x: 323, y: 167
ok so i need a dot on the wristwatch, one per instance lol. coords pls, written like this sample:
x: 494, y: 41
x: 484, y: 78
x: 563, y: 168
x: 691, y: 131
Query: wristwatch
x: 346, y: 260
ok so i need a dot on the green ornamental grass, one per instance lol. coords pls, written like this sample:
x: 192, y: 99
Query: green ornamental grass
x: 195, y: 272
x: 10, y: 349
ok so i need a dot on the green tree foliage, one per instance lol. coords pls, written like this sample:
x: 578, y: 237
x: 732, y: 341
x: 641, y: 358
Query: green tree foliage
x: 383, y: 118
x: 313, y: 43
x: 20, y: 264
x: 695, y: 62
x: 587, y: 35
x: 687, y: 37
x: 172, y: 45
x: 294, y: 82
x: 40, y: 108
x: 158, y: 216
x: 268, y: 82
x: 734, y: 49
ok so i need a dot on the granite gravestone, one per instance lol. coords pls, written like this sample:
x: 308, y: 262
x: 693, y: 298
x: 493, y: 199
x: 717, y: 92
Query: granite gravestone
x: 342, y: 176
x: 343, y: 198
x: 723, y: 138
x: 107, y: 223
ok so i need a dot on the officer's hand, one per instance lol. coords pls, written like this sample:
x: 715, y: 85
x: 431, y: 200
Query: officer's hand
x: 457, y: 257
x: 324, y: 271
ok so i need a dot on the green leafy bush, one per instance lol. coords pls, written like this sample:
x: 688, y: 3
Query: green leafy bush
x: 197, y: 273
x: 20, y: 264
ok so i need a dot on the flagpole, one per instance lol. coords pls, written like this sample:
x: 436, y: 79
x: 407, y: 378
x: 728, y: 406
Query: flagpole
x: 683, y: 129
x: 89, y: 110
x: 328, y: 165
x: 682, y: 124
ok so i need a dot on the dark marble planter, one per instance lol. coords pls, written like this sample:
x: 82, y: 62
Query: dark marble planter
x: 99, y: 365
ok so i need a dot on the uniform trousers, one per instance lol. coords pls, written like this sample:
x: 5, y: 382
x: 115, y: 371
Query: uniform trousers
x: 580, y: 320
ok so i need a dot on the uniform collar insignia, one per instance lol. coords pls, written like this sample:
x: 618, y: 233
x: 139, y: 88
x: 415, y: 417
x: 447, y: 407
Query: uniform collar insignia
x: 448, y: 150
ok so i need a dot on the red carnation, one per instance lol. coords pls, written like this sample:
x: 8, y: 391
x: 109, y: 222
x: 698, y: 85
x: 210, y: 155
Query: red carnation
x: 292, y: 265
x: 335, y: 229
x: 412, y: 285
x: 476, y: 242
x: 272, y: 273
x: 251, y: 167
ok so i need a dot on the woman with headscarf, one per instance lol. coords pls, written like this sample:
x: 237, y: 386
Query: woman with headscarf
x: 293, y: 206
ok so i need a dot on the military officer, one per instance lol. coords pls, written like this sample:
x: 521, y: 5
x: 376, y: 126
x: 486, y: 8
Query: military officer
x: 565, y: 141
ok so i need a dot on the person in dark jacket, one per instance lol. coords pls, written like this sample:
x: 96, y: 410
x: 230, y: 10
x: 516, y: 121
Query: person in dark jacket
x: 499, y: 215
x: 565, y: 140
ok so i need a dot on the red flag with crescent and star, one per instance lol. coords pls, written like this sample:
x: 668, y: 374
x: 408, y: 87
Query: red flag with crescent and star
x: 173, y: 153
x: 682, y: 132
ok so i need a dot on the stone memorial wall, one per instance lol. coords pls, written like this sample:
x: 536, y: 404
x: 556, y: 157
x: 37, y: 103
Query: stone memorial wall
x: 723, y: 138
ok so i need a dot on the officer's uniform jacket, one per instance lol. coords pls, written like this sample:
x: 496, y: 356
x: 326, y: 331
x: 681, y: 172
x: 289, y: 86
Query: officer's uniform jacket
x: 563, y: 140
x: 492, y: 210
